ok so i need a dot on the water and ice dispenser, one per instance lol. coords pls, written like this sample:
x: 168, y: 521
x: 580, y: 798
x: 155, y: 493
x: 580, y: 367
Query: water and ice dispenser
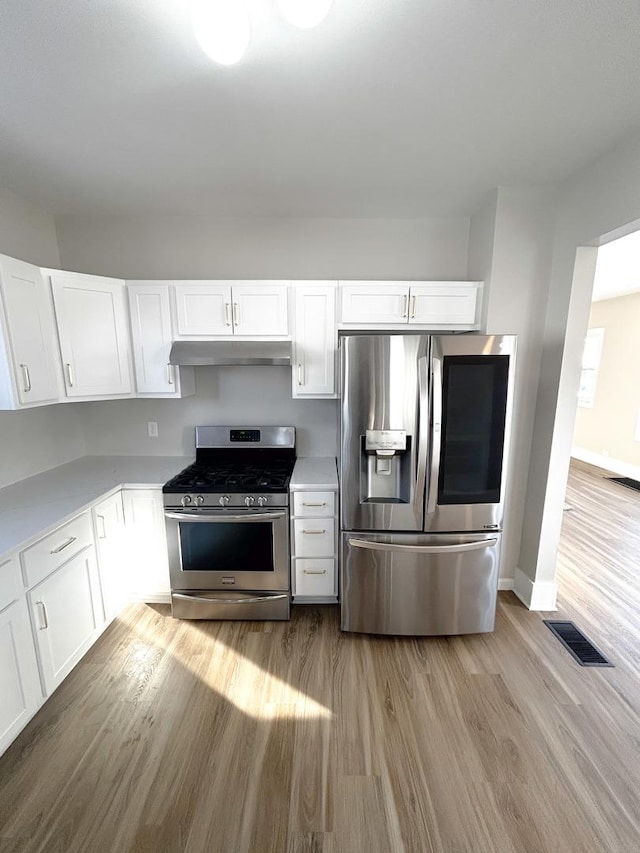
x: 385, y: 461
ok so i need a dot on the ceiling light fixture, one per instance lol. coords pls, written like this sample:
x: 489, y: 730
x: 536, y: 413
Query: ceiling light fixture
x: 222, y: 29
x: 304, y: 13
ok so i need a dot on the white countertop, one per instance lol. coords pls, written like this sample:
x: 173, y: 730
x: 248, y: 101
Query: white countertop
x: 314, y: 472
x: 32, y: 507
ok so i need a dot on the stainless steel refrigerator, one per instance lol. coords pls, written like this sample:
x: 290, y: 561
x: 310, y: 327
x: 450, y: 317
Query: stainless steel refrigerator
x: 424, y: 432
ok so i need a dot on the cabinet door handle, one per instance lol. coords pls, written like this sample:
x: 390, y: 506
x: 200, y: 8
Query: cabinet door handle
x: 102, y: 533
x: 314, y: 571
x: 64, y: 545
x: 236, y: 314
x: 227, y: 318
x: 300, y: 375
x: 314, y: 532
x: 26, y: 378
x: 405, y: 306
x: 69, y: 375
x: 413, y: 307
x: 44, y: 620
x: 308, y: 503
x: 170, y: 374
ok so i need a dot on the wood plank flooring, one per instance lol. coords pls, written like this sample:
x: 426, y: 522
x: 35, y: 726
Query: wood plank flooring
x: 187, y: 737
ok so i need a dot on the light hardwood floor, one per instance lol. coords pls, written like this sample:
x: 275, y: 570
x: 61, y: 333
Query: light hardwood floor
x: 294, y: 738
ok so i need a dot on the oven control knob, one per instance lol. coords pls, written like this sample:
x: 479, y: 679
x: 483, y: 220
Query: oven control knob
x: 249, y: 500
x: 186, y: 500
x: 262, y: 500
x: 224, y: 500
x: 199, y: 500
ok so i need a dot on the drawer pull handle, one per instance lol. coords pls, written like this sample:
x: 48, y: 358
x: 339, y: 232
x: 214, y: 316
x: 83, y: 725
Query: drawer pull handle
x: 314, y: 571
x: 64, y: 545
x: 308, y: 503
x: 44, y: 619
x: 26, y: 377
x: 314, y: 532
x: 102, y: 533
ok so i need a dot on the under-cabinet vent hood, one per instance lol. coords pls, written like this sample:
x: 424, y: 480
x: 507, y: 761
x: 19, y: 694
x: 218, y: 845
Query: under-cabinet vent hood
x: 199, y: 353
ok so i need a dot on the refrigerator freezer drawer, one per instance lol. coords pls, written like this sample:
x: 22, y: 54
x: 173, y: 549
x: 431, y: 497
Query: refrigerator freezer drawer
x: 419, y: 585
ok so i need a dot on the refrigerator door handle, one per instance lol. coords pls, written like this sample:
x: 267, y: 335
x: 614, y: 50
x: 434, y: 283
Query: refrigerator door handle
x: 423, y: 429
x: 434, y: 474
x: 423, y: 549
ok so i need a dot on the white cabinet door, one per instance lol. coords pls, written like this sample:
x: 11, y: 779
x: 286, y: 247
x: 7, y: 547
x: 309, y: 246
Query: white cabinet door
x: 110, y: 532
x: 93, y: 330
x: 67, y: 614
x: 203, y: 308
x: 152, y: 336
x: 148, y: 563
x: 451, y: 304
x: 20, y: 689
x: 374, y: 302
x: 315, y: 340
x: 29, y: 333
x: 260, y: 307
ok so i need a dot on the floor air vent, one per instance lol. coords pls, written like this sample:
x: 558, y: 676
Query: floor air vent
x: 626, y: 481
x: 576, y: 643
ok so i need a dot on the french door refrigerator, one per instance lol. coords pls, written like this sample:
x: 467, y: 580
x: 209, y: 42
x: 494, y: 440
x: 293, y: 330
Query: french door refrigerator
x: 424, y: 431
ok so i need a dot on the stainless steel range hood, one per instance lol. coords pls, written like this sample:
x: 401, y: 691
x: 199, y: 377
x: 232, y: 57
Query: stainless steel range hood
x: 199, y: 353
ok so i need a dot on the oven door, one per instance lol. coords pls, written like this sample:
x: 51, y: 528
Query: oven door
x: 228, y: 549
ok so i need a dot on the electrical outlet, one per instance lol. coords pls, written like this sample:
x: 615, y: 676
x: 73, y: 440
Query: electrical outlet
x: 152, y: 429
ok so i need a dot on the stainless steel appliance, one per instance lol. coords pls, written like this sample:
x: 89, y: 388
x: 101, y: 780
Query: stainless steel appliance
x: 424, y: 431
x: 227, y: 522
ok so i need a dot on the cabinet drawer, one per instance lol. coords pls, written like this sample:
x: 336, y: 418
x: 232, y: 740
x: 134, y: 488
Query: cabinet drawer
x: 314, y: 504
x: 10, y: 583
x: 56, y: 548
x: 314, y: 577
x: 314, y: 537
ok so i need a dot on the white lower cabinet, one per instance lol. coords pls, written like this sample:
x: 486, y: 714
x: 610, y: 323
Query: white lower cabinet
x: 314, y: 545
x: 146, y: 543
x: 67, y: 615
x: 110, y: 534
x: 20, y: 690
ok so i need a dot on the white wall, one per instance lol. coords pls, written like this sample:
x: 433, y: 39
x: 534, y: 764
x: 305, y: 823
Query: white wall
x: 224, y: 395
x: 510, y: 246
x: 610, y: 428
x: 201, y: 247
x: 597, y: 204
x: 35, y: 440
x: 205, y: 247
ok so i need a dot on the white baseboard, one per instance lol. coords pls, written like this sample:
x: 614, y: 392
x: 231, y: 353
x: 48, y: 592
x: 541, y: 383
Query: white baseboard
x: 616, y: 466
x: 540, y: 595
x: 505, y: 583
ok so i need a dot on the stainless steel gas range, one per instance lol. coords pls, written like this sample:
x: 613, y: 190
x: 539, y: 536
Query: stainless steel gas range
x: 227, y: 522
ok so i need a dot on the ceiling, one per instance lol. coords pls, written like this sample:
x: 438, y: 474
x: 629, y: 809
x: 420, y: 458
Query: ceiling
x: 395, y: 108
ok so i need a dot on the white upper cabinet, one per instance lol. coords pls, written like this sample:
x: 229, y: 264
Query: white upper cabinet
x: 450, y: 304
x: 212, y: 308
x: 379, y: 302
x: 203, y: 308
x: 436, y: 305
x: 28, y: 350
x: 260, y: 307
x: 315, y: 339
x: 93, y: 330
x: 152, y: 335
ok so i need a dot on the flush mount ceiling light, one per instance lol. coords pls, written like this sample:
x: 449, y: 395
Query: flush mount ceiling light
x: 222, y: 29
x: 304, y: 13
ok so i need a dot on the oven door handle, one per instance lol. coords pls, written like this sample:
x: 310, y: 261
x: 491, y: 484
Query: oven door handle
x: 208, y: 518
x: 229, y: 600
